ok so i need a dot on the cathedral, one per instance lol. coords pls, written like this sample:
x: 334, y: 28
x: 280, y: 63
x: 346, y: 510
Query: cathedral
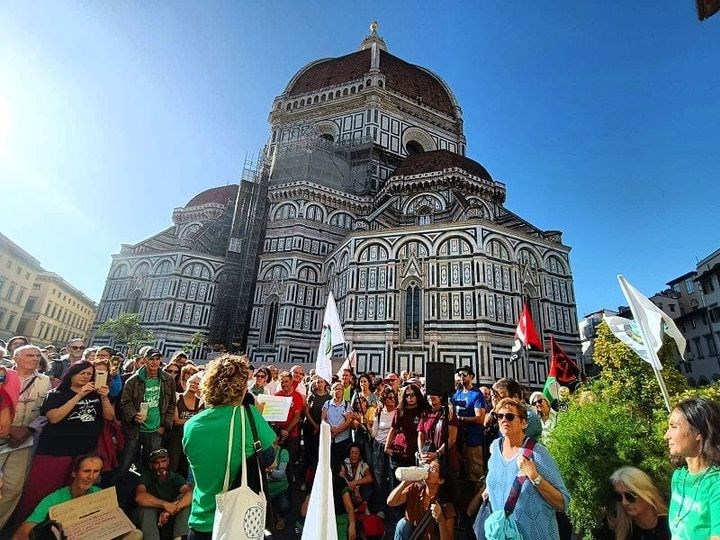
x: 363, y: 189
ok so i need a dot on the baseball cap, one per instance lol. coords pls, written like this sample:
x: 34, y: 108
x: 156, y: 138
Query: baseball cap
x: 147, y: 351
x: 160, y: 453
x: 466, y: 369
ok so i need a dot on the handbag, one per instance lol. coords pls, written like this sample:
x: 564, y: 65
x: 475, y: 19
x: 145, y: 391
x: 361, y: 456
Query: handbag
x: 483, y: 513
x: 240, y: 512
x: 501, y: 524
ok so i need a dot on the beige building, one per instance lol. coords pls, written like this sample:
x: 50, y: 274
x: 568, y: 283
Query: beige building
x: 56, y: 311
x: 17, y: 274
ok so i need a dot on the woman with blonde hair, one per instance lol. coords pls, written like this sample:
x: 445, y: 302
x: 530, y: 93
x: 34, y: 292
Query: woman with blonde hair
x: 641, y: 510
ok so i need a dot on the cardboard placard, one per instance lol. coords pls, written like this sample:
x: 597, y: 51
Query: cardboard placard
x: 96, y: 516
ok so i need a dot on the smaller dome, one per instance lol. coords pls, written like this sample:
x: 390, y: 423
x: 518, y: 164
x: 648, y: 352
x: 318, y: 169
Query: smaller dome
x: 439, y: 160
x: 216, y: 195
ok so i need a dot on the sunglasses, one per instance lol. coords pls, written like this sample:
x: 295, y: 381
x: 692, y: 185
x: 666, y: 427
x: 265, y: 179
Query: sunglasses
x: 537, y: 402
x: 77, y: 347
x: 506, y: 416
x: 260, y: 376
x: 629, y: 496
x: 463, y: 374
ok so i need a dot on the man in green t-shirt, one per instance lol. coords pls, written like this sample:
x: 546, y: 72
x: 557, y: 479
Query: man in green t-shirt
x: 84, y: 475
x: 148, y: 405
x: 163, y: 499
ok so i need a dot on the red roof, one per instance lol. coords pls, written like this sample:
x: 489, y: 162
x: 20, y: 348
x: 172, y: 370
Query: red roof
x: 439, y: 160
x: 217, y: 195
x: 407, y: 79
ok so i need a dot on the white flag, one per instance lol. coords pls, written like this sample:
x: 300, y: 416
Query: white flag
x: 332, y: 335
x: 320, y: 519
x: 627, y: 332
x: 349, y: 363
x: 650, y: 319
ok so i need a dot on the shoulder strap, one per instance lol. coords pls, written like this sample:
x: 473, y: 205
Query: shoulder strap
x: 257, y: 446
x: 28, y: 384
x: 528, y: 446
x: 226, y: 482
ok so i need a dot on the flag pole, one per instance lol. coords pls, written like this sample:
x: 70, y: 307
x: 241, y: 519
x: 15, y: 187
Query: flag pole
x: 653, y: 356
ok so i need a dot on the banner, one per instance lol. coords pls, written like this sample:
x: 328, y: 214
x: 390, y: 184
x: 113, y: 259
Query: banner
x: 332, y: 335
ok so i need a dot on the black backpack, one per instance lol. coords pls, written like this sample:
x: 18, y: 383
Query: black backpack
x: 48, y: 530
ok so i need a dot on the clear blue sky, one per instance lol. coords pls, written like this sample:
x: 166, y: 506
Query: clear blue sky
x: 603, y: 118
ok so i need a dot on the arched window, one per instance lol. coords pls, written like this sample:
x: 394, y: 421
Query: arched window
x: 413, y: 313
x: 285, y: 211
x: 328, y: 136
x: 313, y: 213
x: 413, y: 147
x: 424, y: 216
x: 342, y: 220
x: 271, y: 315
x: 133, y: 302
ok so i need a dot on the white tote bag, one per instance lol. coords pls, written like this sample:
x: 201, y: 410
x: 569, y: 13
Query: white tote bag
x: 239, y: 513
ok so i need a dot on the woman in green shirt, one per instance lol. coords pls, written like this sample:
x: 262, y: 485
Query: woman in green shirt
x: 693, y: 435
x: 223, y: 389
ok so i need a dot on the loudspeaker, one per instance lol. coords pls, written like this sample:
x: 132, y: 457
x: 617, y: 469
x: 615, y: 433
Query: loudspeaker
x: 439, y: 378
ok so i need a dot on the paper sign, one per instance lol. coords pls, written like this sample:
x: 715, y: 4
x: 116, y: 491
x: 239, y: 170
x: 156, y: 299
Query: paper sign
x: 276, y: 408
x: 96, y: 516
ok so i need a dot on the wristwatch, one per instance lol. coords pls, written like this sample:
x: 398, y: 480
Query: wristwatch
x: 536, y: 481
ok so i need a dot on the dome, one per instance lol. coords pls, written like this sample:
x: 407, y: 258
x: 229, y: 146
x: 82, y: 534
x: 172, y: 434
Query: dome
x: 439, y: 160
x: 412, y: 81
x: 216, y: 195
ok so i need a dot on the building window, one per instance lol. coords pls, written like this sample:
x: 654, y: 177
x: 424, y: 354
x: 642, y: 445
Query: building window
x: 707, y: 285
x: 413, y: 314
x: 676, y: 288
x: 271, y: 321
x: 698, y: 347
x: 690, y: 286
x: 710, y: 344
x: 11, y: 291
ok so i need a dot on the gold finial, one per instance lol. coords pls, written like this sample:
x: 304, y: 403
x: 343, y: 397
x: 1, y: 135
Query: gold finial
x: 373, y: 27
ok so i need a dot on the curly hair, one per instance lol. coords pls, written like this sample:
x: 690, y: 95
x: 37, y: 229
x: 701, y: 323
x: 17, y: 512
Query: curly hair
x: 225, y: 380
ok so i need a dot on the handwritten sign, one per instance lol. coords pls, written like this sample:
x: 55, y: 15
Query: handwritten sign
x: 96, y: 516
x: 275, y: 408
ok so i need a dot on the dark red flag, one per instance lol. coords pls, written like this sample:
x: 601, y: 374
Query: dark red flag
x: 562, y: 367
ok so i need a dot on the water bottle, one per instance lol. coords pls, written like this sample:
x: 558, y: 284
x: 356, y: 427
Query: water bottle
x: 411, y: 474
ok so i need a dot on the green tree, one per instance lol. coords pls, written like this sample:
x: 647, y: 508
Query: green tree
x: 617, y: 419
x: 196, y: 341
x: 127, y: 330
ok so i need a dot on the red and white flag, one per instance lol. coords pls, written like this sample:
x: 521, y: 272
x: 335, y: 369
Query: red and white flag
x: 525, y: 334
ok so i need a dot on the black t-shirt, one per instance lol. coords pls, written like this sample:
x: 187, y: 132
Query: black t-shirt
x: 78, y: 432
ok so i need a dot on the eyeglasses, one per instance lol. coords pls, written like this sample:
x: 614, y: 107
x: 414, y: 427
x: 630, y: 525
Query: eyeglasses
x: 506, y: 416
x: 77, y: 347
x: 629, y: 496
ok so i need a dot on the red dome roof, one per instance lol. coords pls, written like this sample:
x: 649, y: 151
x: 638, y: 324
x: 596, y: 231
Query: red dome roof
x: 217, y: 195
x: 407, y: 79
x: 439, y: 160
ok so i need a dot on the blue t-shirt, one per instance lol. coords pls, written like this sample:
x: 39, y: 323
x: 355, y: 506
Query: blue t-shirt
x: 465, y: 403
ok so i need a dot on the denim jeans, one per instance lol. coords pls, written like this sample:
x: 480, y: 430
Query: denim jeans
x: 403, y: 530
x: 281, y: 503
x: 146, y: 520
x: 381, y: 475
x: 142, y: 446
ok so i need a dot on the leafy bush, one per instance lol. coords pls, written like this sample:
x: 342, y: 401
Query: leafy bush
x: 618, y: 419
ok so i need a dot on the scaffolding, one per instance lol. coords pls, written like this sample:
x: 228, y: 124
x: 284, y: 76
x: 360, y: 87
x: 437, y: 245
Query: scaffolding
x: 236, y: 285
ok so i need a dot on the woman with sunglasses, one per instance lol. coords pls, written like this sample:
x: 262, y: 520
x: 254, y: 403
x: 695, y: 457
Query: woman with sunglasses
x: 693, y: 436
x: 641, y: 511
x: 401, y: 442
x: 259, y: 387
x: 548, y: 417
x: 542, y: 491
x: 173, y: 370
x: 379, y: 431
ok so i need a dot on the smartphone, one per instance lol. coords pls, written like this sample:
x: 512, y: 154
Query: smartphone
x: 101, y: 378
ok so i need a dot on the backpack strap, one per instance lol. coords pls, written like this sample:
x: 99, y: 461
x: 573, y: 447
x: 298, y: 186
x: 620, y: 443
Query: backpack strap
x: 528, y: 446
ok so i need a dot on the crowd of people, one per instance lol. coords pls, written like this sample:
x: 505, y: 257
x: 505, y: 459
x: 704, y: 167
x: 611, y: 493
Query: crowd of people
x: 406, y: 462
